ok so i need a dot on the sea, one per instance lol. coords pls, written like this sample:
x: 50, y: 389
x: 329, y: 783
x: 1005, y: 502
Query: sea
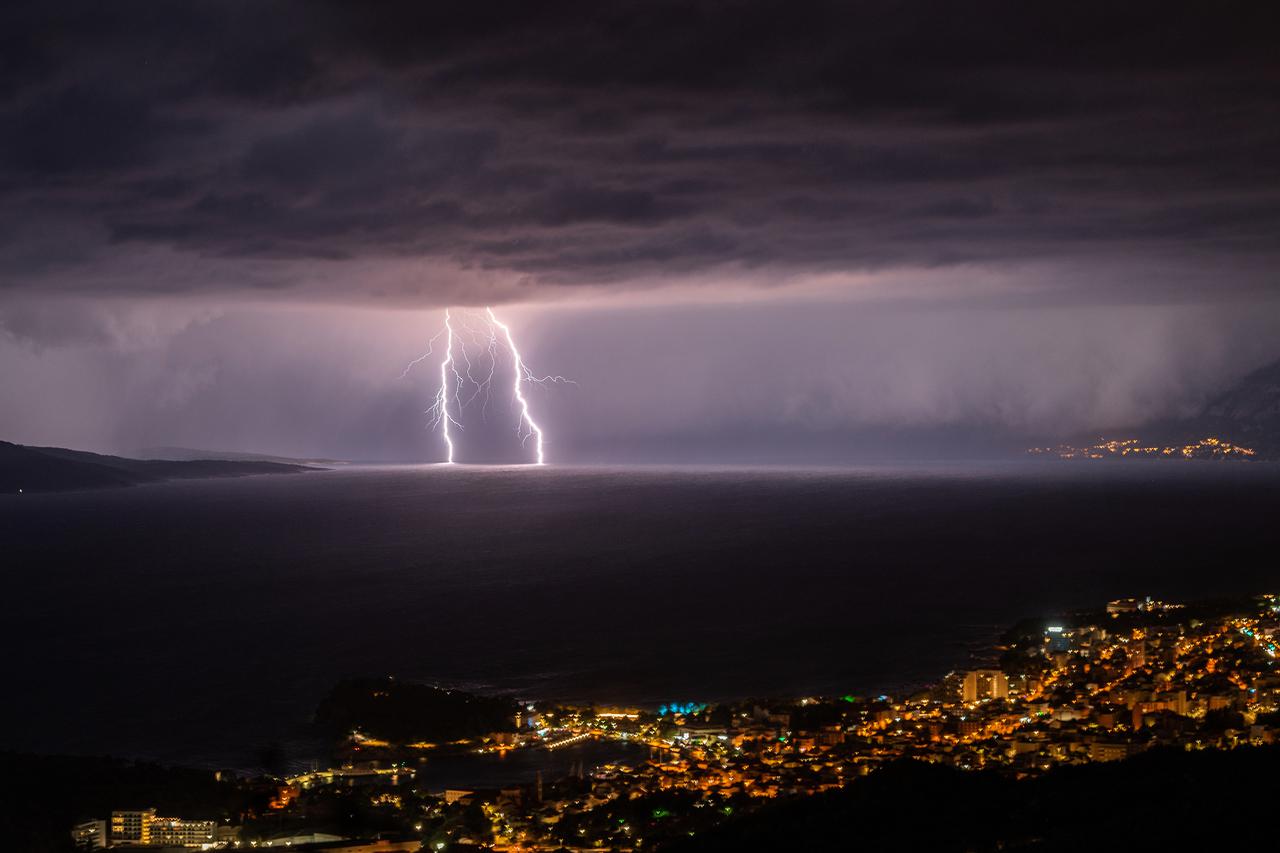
x: 201, y: 622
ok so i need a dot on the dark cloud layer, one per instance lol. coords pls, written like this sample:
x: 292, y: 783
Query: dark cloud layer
x: 619, y: 144
x: 763, y: 225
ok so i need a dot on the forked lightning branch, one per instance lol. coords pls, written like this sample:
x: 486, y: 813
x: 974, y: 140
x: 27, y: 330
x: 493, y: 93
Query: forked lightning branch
x: 465, y: 382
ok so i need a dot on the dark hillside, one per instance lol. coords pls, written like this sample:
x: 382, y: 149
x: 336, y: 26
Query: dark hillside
x: 56, y: 469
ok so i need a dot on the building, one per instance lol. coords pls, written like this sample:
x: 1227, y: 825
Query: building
x: 1122, y: 605
x: 1112, y: 751
x: 982, y: 684
x: 309, y: 838
x: 142, y: 827
x: 90, y: 835
x: 132, y: 826
x: 176, y: 832
x: 1057, y: 638
x: 1176, y: 701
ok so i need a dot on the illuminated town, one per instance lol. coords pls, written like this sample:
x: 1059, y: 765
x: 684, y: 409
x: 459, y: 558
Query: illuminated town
x: 1091, y: 687
x: 1205, y: 448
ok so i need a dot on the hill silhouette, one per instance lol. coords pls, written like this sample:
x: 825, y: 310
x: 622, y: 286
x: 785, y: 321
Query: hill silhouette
x: 1248, y: 413
x: 56, y: 469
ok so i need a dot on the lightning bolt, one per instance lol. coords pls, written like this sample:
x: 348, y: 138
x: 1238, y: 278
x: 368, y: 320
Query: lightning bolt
x: 485, y: 338
x: 441, y: 407
x: 430, y: 346
x: 521, y: 371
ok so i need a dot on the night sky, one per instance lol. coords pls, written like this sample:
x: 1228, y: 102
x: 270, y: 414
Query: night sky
x: 757, y: 226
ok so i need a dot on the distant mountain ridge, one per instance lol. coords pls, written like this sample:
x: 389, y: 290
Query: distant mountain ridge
x: 190, y: 454
x: 1242, y: 422
x: 1248, y: 413
x: 56, y: 469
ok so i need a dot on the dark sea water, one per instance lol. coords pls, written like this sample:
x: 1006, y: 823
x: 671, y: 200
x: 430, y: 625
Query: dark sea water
x: 201, y: 622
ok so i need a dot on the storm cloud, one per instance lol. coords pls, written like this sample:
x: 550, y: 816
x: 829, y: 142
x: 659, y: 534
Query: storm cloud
x: 1006, y: 166
x: 596, y: 144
